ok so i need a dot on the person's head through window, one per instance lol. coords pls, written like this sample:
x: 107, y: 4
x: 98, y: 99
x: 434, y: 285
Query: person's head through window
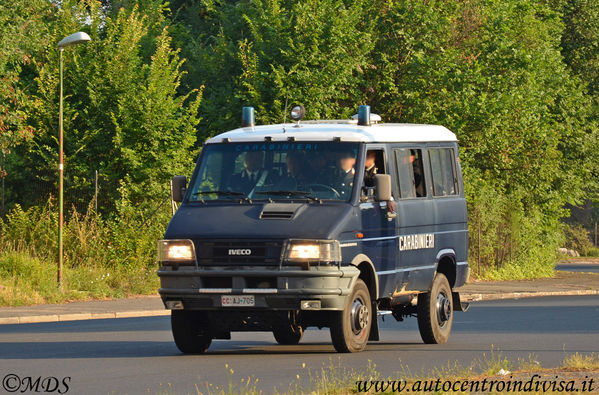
x: 347, y: 161
x: 416, y: 164
x: 370, y: 160
x: 370, y: 169
x: 294, y: 164
x: 318, y: 162
x: 253, y: 161
x: 410, y: 159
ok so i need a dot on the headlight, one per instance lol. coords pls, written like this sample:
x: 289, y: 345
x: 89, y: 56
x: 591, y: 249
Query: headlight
x: 179, y: 251
x: 312, y: 251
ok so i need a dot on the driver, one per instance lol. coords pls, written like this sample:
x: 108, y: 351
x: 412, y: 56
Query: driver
x: 346, y: 173
x: 296, y: 167
x: 252, y: 175
x: 319, y: 169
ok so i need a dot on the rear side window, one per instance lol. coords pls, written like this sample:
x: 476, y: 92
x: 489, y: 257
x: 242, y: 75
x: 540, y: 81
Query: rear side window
x: 410, y: 172
x: 443, y: 171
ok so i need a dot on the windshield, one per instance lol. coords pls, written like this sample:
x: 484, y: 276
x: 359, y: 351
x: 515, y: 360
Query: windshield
x: 277, y: 171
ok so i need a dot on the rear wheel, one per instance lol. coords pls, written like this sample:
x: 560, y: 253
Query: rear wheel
x: 190, y: 331
x: 435, y: 312
x: 350, y: 328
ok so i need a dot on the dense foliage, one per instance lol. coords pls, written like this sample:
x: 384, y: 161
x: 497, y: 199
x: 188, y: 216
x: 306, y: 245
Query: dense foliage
x: 517, y: 80
x: 124, y: 114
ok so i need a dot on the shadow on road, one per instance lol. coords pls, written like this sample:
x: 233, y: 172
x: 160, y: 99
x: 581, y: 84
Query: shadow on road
x: 104, y: 325
x: 151, y: 338
x: 86, y: 349
x: 167, y: 349
x: 158, y: 349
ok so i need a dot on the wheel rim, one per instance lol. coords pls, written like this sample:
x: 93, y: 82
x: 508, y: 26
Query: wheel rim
x: 443, y: 308
x: 359, y: 316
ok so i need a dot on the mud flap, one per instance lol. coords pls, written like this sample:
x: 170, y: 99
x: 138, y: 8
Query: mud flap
x: 457, y: 304
x: 374, y: 328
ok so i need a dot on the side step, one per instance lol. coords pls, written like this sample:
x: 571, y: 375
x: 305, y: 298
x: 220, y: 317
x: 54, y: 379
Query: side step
x: 458, y: 305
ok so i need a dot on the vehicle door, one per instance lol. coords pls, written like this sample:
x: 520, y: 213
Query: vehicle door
x: 450, y: 222
x: 379, y: 229
x: 416, y: 219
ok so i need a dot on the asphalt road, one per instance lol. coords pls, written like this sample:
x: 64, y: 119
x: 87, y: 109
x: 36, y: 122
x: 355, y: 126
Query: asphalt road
x: 137, y: 355
x: 578, y: 267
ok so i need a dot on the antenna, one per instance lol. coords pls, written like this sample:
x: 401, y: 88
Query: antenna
x: 285, y: 112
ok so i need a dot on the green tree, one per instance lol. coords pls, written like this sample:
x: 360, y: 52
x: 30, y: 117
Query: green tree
x: 22, y: 26
x: 124, y: 115
x: 493, y: 73
x: 580, y: 39
x: 269, y: 53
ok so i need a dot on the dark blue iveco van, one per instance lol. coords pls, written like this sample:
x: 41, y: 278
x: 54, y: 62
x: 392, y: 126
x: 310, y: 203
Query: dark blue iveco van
x: 317, y: 223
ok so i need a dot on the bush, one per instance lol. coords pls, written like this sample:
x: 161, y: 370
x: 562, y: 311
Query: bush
x: 577, y: 238
x: 508, y: 240
x: 25, y: 280
x: 593, y: 252
x: 115, y: 257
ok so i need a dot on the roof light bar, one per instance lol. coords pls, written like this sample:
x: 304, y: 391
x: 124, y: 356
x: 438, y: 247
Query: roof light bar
x: 248, y: 119
x: 364, y: 115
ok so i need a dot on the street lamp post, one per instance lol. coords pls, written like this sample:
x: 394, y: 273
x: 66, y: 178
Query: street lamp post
x: 73, y: 39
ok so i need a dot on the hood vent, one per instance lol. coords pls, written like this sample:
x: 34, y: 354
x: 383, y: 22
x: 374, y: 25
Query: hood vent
x: 277, y: 215
x: 279, y: 210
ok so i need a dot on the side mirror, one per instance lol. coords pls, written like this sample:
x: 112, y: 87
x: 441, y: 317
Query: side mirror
x: 178, y: 188
x: 382, y: 183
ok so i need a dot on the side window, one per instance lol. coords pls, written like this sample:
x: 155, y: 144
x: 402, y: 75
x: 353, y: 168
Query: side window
x: 410, y: 172
x: 443, y: 171
x: 373, y: 165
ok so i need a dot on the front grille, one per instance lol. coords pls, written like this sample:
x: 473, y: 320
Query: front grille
x: 238, y: 252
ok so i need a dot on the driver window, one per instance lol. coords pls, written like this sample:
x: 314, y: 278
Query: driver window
x: 373, y: 165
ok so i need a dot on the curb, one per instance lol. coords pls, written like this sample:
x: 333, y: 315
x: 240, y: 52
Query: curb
x: 476, y: 297
x: 466, y: 297
x: 34, y: 319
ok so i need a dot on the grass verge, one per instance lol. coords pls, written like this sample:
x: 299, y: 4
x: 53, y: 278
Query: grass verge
x: 103, y: 258
x: 27, y: 280
x: 577, y: 370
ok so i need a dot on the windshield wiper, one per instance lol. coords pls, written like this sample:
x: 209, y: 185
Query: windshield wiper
x: 304, y: 194
x: 217, y: 192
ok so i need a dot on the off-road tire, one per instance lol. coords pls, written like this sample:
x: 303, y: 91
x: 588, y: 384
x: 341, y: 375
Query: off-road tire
x: 432, y: 310
x: 190, y: 331
x: 343, y: 334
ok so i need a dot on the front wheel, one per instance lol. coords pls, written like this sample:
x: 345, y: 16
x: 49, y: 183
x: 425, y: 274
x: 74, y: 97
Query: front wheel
x: 350, y: 328
x: 435, y: 311
x: 190, y: 331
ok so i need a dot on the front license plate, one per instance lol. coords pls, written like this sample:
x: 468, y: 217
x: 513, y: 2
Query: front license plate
x: 245, y: 300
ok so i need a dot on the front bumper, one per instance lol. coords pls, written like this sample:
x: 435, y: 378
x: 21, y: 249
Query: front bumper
x: 273, y: 289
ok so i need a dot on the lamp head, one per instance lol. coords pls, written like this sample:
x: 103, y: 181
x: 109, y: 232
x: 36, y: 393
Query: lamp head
x: 74, y: 39
x: 298, y: 112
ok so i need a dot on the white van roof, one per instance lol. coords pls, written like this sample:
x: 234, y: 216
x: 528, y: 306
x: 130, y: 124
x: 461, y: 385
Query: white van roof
x: 343, y: 130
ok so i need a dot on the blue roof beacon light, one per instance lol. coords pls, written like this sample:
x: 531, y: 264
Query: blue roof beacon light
x: 364, y: 115
x: 248, y: 120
